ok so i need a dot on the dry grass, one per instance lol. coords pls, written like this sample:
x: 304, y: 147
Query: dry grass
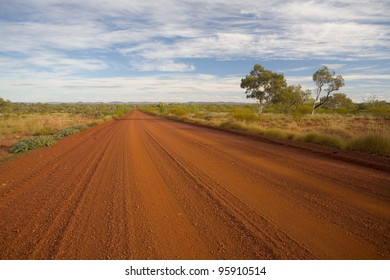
x: 343, y: 126
x: 362, y: 132
x: 14, y: 126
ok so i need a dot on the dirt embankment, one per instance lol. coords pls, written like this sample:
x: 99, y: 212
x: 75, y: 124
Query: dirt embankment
x: 147, y: 188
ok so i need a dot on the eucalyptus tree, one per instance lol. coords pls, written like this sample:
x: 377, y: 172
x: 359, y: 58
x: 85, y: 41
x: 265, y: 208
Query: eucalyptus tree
x: 263, y: 85
x: 327, y: 82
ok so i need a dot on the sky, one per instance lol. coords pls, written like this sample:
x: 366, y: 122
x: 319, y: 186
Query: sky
x: 181, y: 51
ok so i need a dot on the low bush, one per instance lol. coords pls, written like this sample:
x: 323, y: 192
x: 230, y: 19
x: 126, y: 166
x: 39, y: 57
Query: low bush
x: 194, y: 108
x: 162, y: 108
x: 35, y: 142
x: 374, y: 144
x: 279, y: 133
x: 44, y: 131
x: 179, y: 111
x: 32, y: 143
x: 244, y: 114
x: 92, y: 123
x: 69, y: 131
x: 303, y: 110
x: 232, y: 125
x: 323, y: 139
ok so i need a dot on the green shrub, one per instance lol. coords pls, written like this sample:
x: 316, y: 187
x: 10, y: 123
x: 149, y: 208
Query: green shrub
x: 200, y: 115
x: 194, y: 108
x: 279, y: 133
x: 179, y: 111
x: 375, y: 107
x: 162, y: 108
x: 244, y: 114
x: 338, y: 132
x: 323, y: 139
x: 32, y: 143
x: 106, y: 118
x: 232, y: 125
x: 44, y: 131
x: 120, y: 111
x: 69, y: 131
x: 92, y: 123
x: 303, y: 110
x: 375, y: 144
x: 44, y: 140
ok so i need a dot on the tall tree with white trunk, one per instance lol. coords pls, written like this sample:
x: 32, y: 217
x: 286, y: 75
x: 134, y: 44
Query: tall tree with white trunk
x: 328, y: 79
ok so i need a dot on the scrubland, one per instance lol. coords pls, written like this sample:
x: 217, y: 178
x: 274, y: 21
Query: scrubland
x: 365, y: 127
x: 18, y: 125
x: 362, y: 129
x: 27, y: 126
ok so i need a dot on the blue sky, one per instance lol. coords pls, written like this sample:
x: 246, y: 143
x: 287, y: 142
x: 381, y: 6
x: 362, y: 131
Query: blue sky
x: 179, y: 51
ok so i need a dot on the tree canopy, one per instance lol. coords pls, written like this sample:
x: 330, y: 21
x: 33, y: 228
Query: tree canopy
x: 4, y: 104
x: 325, y: 78
x: 263, y: 85
x: 268, y: 87
x: 338, y: 101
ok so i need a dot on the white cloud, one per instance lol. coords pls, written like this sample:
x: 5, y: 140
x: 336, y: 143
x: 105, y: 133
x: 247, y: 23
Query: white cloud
x: 27, y: 36
x: 362, y: 77
x: 60, y: 63
x: 335, y: 66
x: 43, y: 87
x: 48, y: 62
x: 162, y: 65
x: 297, y: 69
x: 204, y: 28
x: 219, y: 46
x: 56, y: 39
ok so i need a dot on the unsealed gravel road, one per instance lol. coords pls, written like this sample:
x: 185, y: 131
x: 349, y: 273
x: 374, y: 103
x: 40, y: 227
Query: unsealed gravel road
x: 147, y: 188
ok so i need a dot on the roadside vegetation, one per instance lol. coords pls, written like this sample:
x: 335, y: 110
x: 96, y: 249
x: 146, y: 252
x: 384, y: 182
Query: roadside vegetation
x: 361, y: 127
x: 25, y: 126
x: 287, y: 112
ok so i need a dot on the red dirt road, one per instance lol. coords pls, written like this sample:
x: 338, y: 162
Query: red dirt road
x: 147, y: 188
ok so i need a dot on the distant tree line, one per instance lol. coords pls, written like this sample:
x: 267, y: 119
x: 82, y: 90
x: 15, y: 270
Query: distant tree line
x: 95, y: 110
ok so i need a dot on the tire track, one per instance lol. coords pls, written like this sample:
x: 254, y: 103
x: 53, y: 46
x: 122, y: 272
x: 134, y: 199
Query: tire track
x: 42, y: 214
x: 364, y: 218
x: 58, y: 227
x: 264, y: 239
x: 48, y: 166
x: 330, y: 206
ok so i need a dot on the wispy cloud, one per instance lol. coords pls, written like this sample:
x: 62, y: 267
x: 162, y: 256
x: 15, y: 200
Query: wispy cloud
x: 157, y: 87
x: 60, y: 63
x: 335, y: 66
x: 164, y: 65
x: 362, y: 77
x: 183, y: 29
x: 124, y: 38
x: 297, y: 69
